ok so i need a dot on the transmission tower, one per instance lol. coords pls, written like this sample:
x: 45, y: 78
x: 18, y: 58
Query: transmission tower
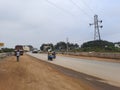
x: 96, y: 27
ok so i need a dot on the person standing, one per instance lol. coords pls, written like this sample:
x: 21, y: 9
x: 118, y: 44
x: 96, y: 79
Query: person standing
x: 50, y: 56
x: 18, y: 55
x: 54, y: 55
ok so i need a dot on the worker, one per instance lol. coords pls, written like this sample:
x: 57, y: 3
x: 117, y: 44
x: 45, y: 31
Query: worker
x: 50, y: 57
x: 54, y: 54
x: 17, y: 55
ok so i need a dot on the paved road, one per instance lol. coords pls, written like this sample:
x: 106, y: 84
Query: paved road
x: 108, y: 71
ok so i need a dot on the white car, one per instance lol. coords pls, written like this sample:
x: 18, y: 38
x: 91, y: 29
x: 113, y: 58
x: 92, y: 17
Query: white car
x: 35, y: 50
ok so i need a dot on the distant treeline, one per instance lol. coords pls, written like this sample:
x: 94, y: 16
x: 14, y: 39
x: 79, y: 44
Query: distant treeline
x: 96, y: 45
x: 6, y: 50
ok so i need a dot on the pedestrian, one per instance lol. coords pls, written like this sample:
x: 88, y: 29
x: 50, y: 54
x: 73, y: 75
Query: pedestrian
x: 17, y: 55
x: 50, y: 56
x: 54, y: 55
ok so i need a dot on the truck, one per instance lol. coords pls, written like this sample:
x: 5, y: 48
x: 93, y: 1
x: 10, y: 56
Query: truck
x: 20, y: 48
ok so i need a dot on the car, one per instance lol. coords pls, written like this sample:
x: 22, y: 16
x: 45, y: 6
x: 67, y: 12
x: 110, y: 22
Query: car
x: 35, y: 50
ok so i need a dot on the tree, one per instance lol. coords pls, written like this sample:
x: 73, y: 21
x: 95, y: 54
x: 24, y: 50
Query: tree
x: 73, y: 46
x: 31, y: 47
x: 7, y: 50
x: 61, y: 46
x: 45, y: 47
x: 98, y: 45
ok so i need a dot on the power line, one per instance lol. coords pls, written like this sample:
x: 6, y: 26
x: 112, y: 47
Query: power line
x: 62, y: 9
x: 83, y: 1
x: 80, y: 8
x: 93, y: 10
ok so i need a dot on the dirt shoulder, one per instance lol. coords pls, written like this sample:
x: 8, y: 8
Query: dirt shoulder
x: 29, y: 74
x: 92, y: 58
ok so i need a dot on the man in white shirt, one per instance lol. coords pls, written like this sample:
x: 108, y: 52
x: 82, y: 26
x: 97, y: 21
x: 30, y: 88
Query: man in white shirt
x: 18, y: 55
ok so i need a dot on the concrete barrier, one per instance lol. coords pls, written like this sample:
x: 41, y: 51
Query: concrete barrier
x: 3, y: 55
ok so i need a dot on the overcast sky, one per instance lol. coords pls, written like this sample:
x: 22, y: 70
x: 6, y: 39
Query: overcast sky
x: 49, y: 21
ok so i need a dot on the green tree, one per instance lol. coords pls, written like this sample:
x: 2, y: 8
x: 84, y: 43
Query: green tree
x: 45, y: 47
x: 98, y: 45
x: 60, y: 46
x: 7, y: 50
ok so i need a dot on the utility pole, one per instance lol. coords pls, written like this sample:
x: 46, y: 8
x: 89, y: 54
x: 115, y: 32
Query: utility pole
x: 67, y: 43
x: 96, y: 27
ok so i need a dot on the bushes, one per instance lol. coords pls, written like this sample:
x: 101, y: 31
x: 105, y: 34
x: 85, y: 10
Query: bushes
x: 6, y: 50
x: 99, y: 46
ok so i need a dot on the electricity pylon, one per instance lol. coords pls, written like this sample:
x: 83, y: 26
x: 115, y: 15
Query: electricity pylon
x: 96, y: 28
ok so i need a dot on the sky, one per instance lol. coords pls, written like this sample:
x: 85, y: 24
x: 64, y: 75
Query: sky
x: 34, y: 22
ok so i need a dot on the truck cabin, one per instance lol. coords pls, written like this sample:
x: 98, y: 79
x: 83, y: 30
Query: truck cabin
x: 20, y: 48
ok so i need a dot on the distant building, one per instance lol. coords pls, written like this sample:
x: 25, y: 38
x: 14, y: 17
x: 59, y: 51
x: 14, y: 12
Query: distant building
x: 117, y: 45
x: 31, y: 47
x: 26, y: 48
x: 46, y: 47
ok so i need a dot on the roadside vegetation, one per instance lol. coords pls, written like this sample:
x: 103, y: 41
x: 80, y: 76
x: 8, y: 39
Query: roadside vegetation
x: 6, y: 50
x: 90, y: 46
x: 100, y: 46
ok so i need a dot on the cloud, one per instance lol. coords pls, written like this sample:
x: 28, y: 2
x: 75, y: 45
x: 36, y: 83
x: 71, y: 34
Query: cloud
x: 37, y: 21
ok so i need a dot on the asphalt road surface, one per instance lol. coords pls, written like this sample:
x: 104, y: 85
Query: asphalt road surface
x: 108, y: 72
